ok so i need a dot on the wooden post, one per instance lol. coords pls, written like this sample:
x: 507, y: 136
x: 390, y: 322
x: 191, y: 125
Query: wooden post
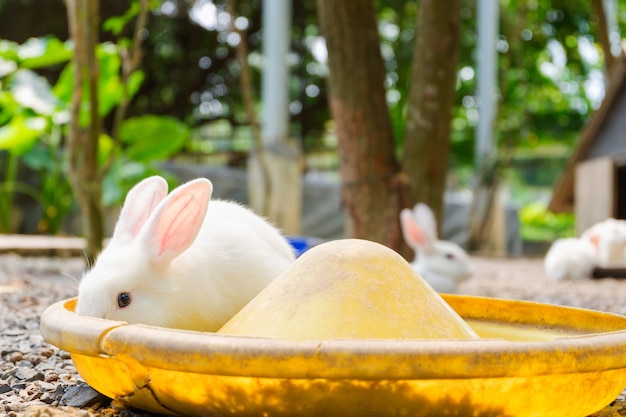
x: 284, y: 203
x: 594, y: 192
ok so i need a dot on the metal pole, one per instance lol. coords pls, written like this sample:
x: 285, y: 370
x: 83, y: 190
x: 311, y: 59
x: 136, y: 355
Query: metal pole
x: 275, y: 116
x: 487, y: 78
x: 283, y: 193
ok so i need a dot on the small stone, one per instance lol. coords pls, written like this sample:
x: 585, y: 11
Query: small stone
x: 45, y: 386
x: 46, y: 352
x: 45, y: 366
x: 4, y: 388
x: 46, y: 398
x: 82, y: 396
x: 8, y: 374
x: 19, y: 386
x: 13, y: 332
x: 52, y: 377
x: 15, y: 357
x: 64, y: 354
x: 24, y: 346
x: 34, y: 360
x: 67, y: 378
x: 28, y: 374
x: 58, y: 393
x: 30, y: 394
x: 27, y: 364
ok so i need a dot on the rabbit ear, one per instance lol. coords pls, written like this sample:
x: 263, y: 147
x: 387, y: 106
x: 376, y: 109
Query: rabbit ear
x: 175, y: 223
x: 413, y: 233
x: 138, y: 205
x: 425, y: 217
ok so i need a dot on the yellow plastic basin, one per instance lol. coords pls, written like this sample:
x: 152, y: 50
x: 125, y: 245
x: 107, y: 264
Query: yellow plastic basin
x: 348, y: 289
x: 548, y: 361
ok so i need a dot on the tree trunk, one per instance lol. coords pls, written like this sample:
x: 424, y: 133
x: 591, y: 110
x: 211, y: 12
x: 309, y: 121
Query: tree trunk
x: 430, y: 101
x: 603, y: 34
x: 83, y: 140
x: 372, y: 190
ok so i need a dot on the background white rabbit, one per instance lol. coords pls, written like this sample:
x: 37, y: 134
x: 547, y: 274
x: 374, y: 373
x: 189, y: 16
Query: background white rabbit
x: 177, y: 261
x: 570, y: 259
x: 602, y: 245
x: 609, y: 240
x: 441, y: 263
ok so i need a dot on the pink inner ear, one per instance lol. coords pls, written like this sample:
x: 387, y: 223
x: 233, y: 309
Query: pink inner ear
x: 139, y: 204
x: 417, y: 235
x: 138, y: 213
x: 179, y: 224
x: 595, y: 240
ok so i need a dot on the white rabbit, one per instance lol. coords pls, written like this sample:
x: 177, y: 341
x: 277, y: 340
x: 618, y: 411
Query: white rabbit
x: 178, y: 261
x: 609, y: 240
x: 570, y: 259
x: 442, y: 264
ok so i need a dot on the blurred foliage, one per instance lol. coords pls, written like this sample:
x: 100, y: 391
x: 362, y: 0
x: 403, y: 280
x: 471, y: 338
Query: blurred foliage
x: 550, y: 79
x: 33, y: 122
x: 550, y: 66
x: 539, y: 224
x: 29, y: 116
x: 551, y: 70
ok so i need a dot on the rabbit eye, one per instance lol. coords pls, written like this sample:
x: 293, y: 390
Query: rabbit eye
x: 123, y: 299
x: 450, y: 256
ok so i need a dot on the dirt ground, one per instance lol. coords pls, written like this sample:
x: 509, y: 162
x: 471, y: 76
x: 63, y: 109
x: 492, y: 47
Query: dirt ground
x: 525, y: 279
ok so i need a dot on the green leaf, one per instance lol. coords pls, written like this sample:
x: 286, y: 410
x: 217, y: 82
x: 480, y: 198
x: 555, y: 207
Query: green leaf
x: 33, y: 92
x: 153, y: 137
x: 109, y: 82
x: 9, y: 50
x: 7, y: 67
x: 65, y: 84
x: 134, y: 82
x: 125, y: 174
x: 114, y: 24
x: 537, y: 223
x: 39, y: 158
x: 8, y: 107
x: 43, y: 52
x: 21, y: 133
x: 106, y: 146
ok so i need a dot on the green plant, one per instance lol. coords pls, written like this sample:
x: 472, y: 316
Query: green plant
x: 29, y: 113
x: 539, y: 224
x: 34, y: 118
x: 146, y: 140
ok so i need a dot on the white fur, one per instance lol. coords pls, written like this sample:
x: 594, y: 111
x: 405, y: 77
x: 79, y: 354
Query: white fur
x: 442, y: 264
x: 608, y: 238
x: 185, y: 263
x: 570, y: 259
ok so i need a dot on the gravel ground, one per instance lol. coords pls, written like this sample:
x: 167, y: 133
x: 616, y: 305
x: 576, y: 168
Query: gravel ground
x: 39, y: 380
